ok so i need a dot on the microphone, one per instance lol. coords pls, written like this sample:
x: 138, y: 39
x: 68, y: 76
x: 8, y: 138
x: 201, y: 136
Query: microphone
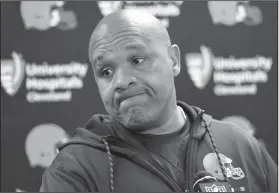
x: 205, y: 182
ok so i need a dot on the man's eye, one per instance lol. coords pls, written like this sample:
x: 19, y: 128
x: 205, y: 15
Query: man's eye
x: 137, y: 60
x: 106, y: 72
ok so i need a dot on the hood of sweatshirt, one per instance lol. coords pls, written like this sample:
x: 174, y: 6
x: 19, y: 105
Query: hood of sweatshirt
x: 100, y: 127
x: 103, y: 133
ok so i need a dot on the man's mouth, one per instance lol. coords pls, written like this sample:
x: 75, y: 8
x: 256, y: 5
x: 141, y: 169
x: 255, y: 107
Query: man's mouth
x: 128, y: 94
x: 128, y: 97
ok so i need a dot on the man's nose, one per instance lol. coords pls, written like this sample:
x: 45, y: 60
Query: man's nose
x: 124, y: 79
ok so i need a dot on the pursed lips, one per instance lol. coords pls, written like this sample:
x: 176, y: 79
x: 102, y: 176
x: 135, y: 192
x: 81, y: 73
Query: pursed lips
x: 128, y: 94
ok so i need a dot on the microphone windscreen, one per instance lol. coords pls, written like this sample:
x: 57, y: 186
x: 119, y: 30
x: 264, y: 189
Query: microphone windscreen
x: 202, y: 177
x: 201, y: 174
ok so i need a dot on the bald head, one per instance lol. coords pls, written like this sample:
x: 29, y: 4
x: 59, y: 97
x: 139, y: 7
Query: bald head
x: 128, y: 22
x: 134, y: 65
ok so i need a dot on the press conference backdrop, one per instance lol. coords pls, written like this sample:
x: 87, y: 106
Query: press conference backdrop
x: 229, y: 68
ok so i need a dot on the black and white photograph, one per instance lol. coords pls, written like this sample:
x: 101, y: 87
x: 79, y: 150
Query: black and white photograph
x: 139, y: 96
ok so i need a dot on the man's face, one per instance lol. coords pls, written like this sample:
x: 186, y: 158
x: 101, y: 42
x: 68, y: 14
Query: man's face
x: 135, y: 79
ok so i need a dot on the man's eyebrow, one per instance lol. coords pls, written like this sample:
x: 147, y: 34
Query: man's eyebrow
x: 97, y: 60
x: 99, y: 57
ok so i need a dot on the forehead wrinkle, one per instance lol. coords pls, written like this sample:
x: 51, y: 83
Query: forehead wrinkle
x: 148, y: 32
x: 140, y: 23
x: 109, y: 47
x: 129, y: 42
x: 123, y: 31
x: 104, y: 42
x: 122, y: 28
x: 105, y: 45
x: 128, y: 45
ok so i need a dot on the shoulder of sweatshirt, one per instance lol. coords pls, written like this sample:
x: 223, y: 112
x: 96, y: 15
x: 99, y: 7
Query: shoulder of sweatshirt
x: 245, y: 152
x: 77, y: 166
x: 236, y: 142
x: 78, y: 155
x: 229, y: 132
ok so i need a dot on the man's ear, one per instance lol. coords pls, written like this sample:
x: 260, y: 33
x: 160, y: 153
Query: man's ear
x: 175, y: 57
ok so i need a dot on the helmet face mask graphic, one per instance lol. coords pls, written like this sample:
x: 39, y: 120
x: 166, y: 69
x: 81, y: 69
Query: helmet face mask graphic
x: 223, y: 12
x: 43, y: 15
x: 211, y: 165
x: 200, y: 66
x: 41, y: 144
x: 230, y: 13
x: 12, y: 73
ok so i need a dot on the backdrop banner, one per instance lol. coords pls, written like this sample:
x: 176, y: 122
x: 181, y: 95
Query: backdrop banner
x: 229, y: 68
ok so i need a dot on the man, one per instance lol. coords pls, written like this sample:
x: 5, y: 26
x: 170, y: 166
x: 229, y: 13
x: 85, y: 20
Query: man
x: 149, y: 142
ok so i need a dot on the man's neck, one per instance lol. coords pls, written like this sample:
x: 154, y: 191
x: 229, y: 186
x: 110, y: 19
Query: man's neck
x: 175, y: 123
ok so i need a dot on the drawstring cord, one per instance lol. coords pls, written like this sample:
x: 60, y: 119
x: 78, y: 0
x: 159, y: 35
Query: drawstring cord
x: 218, y: 154
x: 111, y: 170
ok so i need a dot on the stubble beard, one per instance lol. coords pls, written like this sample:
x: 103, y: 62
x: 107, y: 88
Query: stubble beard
x: 134, y: 118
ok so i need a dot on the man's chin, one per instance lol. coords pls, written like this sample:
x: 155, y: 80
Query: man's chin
x: 134, y: 117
